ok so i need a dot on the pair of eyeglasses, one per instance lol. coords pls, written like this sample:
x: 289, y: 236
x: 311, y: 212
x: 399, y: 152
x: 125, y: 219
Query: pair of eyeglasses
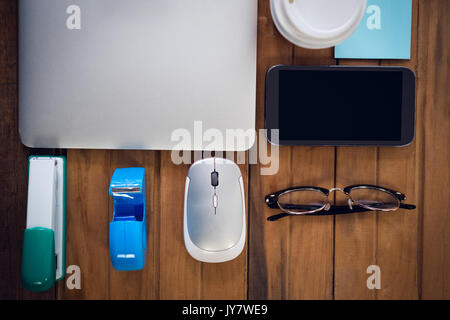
x: 315, y: 201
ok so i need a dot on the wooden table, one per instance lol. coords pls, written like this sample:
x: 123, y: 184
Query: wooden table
x: 295, y: 258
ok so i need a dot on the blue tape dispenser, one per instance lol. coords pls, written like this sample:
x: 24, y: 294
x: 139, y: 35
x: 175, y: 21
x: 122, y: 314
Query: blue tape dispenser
x: 128, y: 231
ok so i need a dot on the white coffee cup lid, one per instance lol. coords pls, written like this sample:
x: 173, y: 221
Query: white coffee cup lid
x: 317, y: 23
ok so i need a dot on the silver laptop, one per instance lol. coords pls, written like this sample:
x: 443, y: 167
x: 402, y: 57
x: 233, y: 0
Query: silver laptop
x: 137, y: 74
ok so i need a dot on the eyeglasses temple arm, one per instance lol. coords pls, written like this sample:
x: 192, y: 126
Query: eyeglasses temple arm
x: 335, y: 210
x: 407, y: 206
x: 278, y: 216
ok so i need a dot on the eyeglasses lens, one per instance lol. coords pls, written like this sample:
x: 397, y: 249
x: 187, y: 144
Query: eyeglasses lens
x: 302, y: 201
x: 374, y: 199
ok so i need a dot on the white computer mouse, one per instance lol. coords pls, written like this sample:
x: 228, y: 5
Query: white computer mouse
x: 214, y: 211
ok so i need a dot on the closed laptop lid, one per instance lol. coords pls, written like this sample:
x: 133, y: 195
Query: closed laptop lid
x: 138, y: 74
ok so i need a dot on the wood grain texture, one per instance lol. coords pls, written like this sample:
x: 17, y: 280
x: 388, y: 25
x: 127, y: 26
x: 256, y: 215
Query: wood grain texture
x: 88, y: 176
x: 355, y: 235
x: 295, y: 258
x: 434, y: 69
x: 12, y: 219
x: 387, y: 240
x: 291, y: 258
x: 355, y: 239
x: 180, y: 274
x: 398, y: 236
x: 267, y: 278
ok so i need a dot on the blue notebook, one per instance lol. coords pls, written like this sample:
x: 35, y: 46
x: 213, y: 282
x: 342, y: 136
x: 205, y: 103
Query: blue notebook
x: 384, y: 33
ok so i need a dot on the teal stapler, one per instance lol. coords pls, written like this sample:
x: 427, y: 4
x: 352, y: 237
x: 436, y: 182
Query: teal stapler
x: 127, y: 231
x: 43, y: 255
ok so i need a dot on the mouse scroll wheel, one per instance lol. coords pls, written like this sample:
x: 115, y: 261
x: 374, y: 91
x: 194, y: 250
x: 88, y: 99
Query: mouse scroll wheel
x: 214, y: 179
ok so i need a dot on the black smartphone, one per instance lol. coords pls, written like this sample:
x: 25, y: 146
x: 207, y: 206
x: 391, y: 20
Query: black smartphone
x: 340, y: 106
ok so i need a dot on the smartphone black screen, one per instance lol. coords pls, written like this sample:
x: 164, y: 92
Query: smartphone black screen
x: 340, y: 105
